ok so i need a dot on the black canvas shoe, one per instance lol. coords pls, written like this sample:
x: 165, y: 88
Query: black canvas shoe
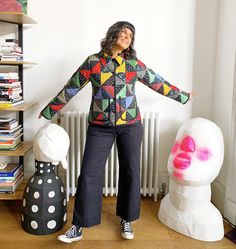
x: 126, y: 230
x: 73, y: 234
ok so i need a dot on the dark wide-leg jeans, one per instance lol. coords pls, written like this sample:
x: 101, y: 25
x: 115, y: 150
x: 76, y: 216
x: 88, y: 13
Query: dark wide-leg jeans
x: 99, y: 141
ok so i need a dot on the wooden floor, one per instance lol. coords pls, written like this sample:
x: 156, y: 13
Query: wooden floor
x: 149, y: 232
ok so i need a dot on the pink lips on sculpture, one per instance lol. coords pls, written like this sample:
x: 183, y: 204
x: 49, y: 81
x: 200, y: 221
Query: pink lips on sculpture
x: 182, y: 161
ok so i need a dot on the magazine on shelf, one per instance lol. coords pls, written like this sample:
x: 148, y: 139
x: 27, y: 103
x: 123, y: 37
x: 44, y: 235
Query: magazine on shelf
x: 14, y: 136
x: 12, y: 146
x: 10, y: 131
x: 10, y: 138
x: 11, y: 189
x: 11, y: 178
x: 10, y: 40
x: 9, y: 125
x: 9, y: 76
x: 10, y: 84
x: 11, y: 183
x: 7, y: 105
x: 10, y: 169
x: 6, y: 119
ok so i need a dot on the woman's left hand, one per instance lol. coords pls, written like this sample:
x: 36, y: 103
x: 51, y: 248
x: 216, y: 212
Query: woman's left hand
x: 191, y: 96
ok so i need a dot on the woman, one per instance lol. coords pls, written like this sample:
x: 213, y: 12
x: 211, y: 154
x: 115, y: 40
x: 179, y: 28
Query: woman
x: 114, y: 114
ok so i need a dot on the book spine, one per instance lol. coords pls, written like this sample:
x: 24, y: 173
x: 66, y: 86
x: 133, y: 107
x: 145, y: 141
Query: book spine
x: 11, y: 174
x: 7, y: 179
x: 6, y: 192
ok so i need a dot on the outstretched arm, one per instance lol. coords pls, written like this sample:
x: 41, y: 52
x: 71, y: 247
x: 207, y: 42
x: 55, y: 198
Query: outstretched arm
x: 78, y: 80
x: 160, y: 85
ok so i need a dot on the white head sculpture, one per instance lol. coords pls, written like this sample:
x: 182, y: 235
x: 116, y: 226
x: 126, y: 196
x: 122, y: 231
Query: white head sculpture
x: 197, y: 155
x: 194, y: 162
x: 51, y: 144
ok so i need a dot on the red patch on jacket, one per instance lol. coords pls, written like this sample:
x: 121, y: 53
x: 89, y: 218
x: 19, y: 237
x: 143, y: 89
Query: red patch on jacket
x: 57, y: 107
x: 85, y: 73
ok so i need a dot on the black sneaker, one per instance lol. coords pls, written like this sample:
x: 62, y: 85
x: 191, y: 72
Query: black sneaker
x: 126, y: 230
x: 73, y: 234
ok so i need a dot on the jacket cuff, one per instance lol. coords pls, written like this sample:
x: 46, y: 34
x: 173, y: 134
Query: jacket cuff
x: 184, y: 96
x: 46, y: 113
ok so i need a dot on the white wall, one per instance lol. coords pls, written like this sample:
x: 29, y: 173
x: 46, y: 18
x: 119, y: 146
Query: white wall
x: 206, y: 20
x: 223, y: 84
x: 67, y: 33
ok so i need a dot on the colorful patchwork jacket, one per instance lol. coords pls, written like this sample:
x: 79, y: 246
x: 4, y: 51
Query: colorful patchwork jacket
x: 113, y: 83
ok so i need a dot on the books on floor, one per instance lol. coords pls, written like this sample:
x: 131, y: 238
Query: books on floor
x: 10, y: 133
x: 10, y: 90
x: 11, y: 175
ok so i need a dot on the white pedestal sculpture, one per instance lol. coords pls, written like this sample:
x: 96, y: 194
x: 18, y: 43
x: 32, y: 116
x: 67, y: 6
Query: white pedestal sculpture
x: 194, y: 162
x: 44, y: 200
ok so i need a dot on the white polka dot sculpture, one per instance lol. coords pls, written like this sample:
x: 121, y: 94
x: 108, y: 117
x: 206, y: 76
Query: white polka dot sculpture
x: 194, y: 162
x: 44, y: 208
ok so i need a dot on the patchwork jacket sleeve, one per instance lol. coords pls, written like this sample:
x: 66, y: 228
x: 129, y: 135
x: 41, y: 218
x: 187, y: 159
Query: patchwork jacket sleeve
x: 78, y: 80
x: 160, y: 85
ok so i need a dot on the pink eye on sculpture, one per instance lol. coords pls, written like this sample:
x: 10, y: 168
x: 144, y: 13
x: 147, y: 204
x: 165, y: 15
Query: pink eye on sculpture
x: 188, y: 144
x: 175, y: 148
x: 203, y: 154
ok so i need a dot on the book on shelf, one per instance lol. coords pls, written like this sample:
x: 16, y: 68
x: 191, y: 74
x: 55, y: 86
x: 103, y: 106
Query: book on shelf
x: 11, y: 58
x: 12, y: 40
x: 7, y: 100
x: 10, y: 139
x: 7, y: 85
x: 5, y: 119
x: 5, y: 184
x: 10, y: 98
x: 11, y: 136
x: 7, y: 81
x: 10, y: 48
x: 10, y: 169
x: 10, y: 104
x: 11, y: 189
x: 10, y: 51
x: 10, y: 131
x: 13, y: 53
x: 11, y: 175
x: 10, y: 179
x: 9, y: 124
x: 10, y: 145
x: 10, y: 91
x: 9, y: 75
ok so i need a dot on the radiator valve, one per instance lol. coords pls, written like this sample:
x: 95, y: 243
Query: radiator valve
x: 162, y: 190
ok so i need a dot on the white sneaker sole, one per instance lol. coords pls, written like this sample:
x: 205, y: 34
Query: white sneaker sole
x: 66, y: 240
x: 127, y: 236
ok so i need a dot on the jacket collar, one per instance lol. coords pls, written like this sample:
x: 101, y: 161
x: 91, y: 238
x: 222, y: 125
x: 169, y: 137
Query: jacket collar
x: 119, y: 58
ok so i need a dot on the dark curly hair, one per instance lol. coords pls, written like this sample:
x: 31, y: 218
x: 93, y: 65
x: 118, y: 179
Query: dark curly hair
x: 112, y: 35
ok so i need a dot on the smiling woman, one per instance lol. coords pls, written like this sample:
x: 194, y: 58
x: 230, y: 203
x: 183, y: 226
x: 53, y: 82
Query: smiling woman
x: 114, y: 114
x: 125, y: 37
x: 120, y: 38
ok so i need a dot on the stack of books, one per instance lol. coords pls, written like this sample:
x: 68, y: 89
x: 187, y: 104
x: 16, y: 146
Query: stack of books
x: 11, y: 175
x: 10, y: 51
x: 10, y: 133
x: 10, y: 90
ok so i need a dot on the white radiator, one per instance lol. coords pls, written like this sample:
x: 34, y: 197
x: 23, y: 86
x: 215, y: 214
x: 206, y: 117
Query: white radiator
x: 75, y: 123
